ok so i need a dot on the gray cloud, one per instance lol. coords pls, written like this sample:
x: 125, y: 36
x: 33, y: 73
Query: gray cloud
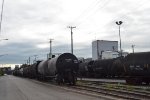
x: 30, y: 23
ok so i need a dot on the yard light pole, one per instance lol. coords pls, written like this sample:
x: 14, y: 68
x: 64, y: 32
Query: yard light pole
x: 119, y: 24
x: 133, y: 47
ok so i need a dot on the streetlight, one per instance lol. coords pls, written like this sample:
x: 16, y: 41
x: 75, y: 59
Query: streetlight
x: 133, y: 47
x: 3, y: 39
x: 119, y: 23
x: 3, y: 55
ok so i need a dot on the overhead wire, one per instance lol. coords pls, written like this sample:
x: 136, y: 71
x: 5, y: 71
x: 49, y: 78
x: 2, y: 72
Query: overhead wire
x: 90, y: 10
x: 99, y: 7
x: 135, y: 9
x: 124, y: 14
x: 93, y: 4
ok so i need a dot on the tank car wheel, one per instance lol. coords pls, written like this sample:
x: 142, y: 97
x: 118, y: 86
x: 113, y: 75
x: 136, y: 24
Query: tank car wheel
x: 71, y: 78
x: 129, y: 81
x: 147, y: 82
x: 133, y: 81
x: 74, y: 82
x: 59, y: 79
x: 43, y: 78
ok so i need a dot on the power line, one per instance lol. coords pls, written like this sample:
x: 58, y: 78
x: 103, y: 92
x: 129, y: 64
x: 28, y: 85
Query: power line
x: 113, y: 19
x: 1, y: 15
x: 105, y: 3
x: 100, y: 6
x: 87, y: 10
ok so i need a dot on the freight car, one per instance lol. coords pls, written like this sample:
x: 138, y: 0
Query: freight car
x: 137, y: 68
x: 106, y: 68
x: 85, y: 69
x: 63, y: 68
x: 134, y: 68
x: 101, y: 68
x: 16, y: 71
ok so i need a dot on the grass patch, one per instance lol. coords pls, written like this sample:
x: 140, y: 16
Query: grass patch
x: 119, y: 86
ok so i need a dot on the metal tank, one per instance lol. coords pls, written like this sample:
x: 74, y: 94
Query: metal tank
x: 85, y: 69
x: 33, y: 70
x: 117, y: 69
x: 64, y: 67
x: 43, y: 68
x: 61, y: 63
x: 102, y: 68
x: 137, y: 67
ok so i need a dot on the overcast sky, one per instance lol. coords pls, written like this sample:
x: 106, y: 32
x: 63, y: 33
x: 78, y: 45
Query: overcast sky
x: 29, y: 24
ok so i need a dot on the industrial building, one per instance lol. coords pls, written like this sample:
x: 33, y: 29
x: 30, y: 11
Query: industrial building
x: 100, y: 46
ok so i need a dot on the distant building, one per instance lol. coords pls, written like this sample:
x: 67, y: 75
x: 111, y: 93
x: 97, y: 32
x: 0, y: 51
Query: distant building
x: 17, y: 66
x: 100, y: 46
x: 88, y: 59
x: 112, y: 54
x: 109, y: 55
x: 81, y: 59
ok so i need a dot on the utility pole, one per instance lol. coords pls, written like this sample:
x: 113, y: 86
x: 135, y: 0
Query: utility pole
x: 35, y: 58
x: 1, y: 16
x: 133, y: 47
x: 29, y: 60
x: 50, y: 49
x: 71, y: 27
x: 26, y: 61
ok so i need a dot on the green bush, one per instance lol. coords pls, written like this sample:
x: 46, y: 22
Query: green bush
x: 1, y: 73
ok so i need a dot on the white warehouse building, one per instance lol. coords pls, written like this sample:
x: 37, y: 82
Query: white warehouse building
x: 100, y: 46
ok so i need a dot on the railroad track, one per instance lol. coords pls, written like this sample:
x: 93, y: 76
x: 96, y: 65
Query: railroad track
x: 115, y: 92
x: 130, y: 88
x: 102, y: 91
x: 117, y: 85
x: 120, y: 94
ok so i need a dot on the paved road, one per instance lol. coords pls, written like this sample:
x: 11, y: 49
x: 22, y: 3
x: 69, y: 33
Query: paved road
x: 14, y: 88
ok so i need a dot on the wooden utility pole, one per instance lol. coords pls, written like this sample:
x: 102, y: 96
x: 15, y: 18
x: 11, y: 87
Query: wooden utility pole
x: 71, y: 27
